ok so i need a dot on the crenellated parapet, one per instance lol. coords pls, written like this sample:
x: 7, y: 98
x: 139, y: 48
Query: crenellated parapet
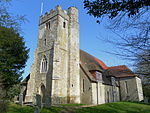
x: 59, y: 11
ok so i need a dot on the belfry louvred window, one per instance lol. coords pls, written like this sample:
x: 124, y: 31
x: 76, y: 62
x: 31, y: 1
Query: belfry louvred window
x: 44, y: 63
x: 48, y: 25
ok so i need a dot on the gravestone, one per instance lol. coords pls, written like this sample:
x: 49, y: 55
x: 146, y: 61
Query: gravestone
x: 38, y: 100
x: 145, y: 100
x: 37, y: 103
x: 36, y: 109
x: 21, y: 99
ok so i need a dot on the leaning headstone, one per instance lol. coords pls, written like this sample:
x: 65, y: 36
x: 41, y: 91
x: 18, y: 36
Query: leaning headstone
x: 37, y: 103
x: 145, y: 100
x: 21, y: 99
x: 38, y: 100
x: 36, y: 109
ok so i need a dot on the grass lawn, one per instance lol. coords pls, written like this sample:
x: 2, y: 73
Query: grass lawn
x: 118, y: 107
x: 14, y: 108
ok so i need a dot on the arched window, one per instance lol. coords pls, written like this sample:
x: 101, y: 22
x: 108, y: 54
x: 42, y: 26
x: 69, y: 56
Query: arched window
x: 43, y: 65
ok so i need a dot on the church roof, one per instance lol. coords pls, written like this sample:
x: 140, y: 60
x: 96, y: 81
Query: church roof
x: 94, y: 64
x: 91, y: 62
x: 120, y: 71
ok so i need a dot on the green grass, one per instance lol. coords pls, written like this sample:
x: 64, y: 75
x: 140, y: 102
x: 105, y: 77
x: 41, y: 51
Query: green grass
x: 119, y: 107
x: 14, y: 108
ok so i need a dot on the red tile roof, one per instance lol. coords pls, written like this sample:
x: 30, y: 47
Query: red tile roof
x: 93, y: 62
x: 102, y: 64
x: 120, y: 71
x: 93, y: 73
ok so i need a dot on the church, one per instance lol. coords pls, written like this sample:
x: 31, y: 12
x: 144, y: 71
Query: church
x: 62, y: 73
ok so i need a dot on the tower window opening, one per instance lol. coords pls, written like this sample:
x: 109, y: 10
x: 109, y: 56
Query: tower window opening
x: 83, y: 85
x: 48, y: 25
x: 64, y: 24
x: 44, y: 63
x: 44, y: 42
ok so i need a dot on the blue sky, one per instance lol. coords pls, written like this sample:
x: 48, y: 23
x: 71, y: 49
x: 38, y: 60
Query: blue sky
x: 90, y: 31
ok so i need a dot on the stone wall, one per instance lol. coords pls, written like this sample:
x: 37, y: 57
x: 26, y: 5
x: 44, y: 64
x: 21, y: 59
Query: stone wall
x: 85, y: 88
x: 131, y: 89
x: 73, y: 62
x: 60, y: 60
x: 112, y: 94
x: 139, y: 89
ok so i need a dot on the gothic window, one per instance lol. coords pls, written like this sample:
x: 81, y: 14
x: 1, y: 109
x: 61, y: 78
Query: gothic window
x: 64, y: 24
x: 48, y: 25
x: 44, y: 65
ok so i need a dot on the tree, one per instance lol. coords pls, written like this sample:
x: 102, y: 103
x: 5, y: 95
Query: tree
x: 13, y: 56
x: 130, y: 21
x: 143, y: 69
x: 7, y: 19
x: 113, y: 8
x: 143, y: 65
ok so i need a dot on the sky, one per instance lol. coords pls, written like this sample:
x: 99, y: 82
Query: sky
x: 91, y: 33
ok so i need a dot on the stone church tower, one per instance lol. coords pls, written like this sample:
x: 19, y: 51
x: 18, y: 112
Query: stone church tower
x: 55, y: 71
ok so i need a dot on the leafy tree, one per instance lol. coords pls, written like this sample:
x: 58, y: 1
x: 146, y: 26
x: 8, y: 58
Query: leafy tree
x: 13, y: 91
x: 113, y: 8
x: 13, y: 56
x: 11, y: 61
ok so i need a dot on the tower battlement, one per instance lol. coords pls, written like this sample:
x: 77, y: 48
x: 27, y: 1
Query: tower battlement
x: 58, y: 11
